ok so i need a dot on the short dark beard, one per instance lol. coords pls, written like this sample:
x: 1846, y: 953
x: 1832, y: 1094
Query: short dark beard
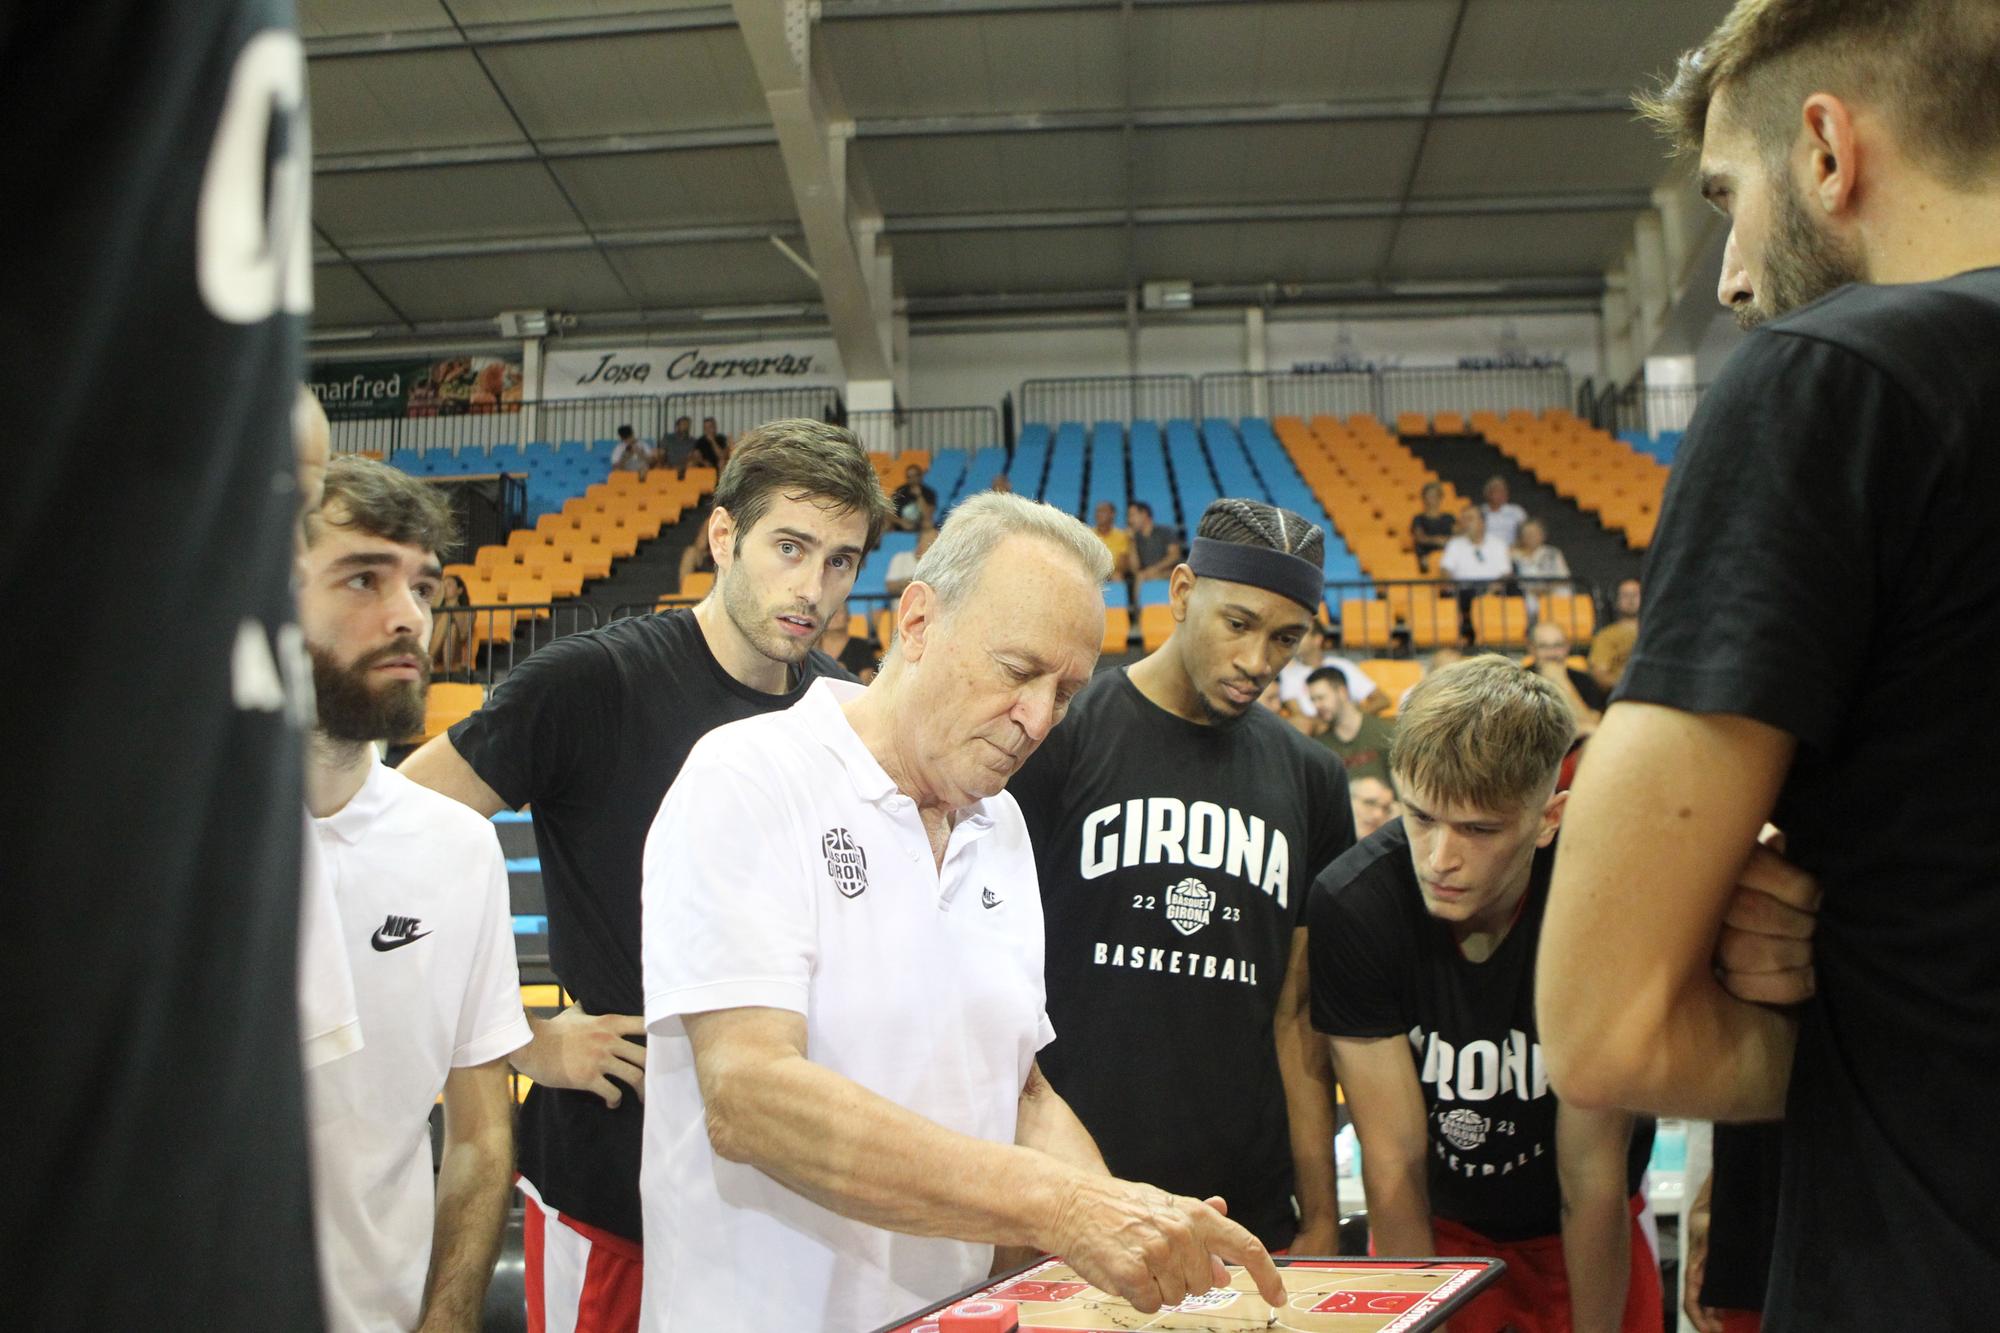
x: 1802, y: 264
x: 352, y: 710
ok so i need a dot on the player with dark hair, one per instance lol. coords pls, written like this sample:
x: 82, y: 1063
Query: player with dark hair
x: 591, y: 731
x: 1177, y: 827
x: 158, y: 162
x: 421, y: 888
x: 1819, y: 614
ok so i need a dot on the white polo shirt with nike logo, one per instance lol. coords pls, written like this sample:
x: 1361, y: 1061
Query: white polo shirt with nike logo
x: 785, y: 870
x: 421, y: 885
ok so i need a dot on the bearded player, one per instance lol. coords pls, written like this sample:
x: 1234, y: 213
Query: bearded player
x: 1177, y: 827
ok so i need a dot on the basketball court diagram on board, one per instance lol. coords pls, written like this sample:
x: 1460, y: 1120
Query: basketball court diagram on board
x: 1326, y: 1296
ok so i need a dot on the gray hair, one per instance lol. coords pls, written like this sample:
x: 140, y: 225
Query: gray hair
x: 978, y: 525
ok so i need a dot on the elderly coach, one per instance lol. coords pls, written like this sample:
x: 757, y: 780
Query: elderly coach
x: 843, y: 956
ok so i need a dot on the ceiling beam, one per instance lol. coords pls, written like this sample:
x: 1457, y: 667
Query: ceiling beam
x: 1024, y: 122
x: 1604, y: 201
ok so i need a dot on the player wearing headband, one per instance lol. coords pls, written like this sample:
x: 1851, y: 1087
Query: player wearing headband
x: 1177, y: 827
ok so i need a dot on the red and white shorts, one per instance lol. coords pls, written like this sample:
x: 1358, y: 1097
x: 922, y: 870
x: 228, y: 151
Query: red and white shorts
x: 1532, y: 1296
x: 579, y: 1278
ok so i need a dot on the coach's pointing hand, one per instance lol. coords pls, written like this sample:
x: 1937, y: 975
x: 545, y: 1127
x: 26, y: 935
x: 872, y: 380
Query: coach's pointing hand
x: 1154, y: 1248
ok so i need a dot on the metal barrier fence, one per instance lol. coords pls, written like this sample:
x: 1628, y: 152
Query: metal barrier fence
x: 555, y: 420
x: 1109, y: 398
x: 1411, y: 617
x: 1430, y: 390
x: 738, y: 410
x: 926, y: 428
x: 1646, y: 410
x: 1237, y: 394
x: 484, y: 642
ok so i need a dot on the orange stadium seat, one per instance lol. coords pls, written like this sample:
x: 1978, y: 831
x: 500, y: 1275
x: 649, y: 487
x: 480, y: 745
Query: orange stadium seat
x: 1156, y: 626
x: 1498, y: 620
x: 697, y: 585
x: 446, y: 703
x: 1117, y: 630
x: 1392, y: 677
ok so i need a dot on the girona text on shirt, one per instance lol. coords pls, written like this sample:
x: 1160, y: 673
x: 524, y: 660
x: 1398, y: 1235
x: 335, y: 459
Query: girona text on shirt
x: 1480, y: 1070
x: 1162, y: 830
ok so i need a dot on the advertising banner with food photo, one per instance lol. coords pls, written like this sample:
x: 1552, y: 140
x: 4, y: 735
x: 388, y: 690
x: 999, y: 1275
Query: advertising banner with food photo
x: 454, y: 386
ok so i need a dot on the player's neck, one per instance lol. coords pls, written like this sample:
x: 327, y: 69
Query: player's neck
x: 335, y: 770
x: 1160, y: 677
x: 1932, y: 233
x: 738, y: 656
x: 1480, y: 937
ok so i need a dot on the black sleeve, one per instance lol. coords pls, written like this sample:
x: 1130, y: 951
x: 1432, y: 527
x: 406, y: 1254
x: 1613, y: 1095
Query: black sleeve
x: 1356, y: 956
x: 532, y: 738
x: 1793, y: 491
x: 1588, y: 690
x: 1332, y: 814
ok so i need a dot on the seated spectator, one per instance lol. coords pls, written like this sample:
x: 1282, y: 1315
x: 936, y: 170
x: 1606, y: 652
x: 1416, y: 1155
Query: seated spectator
x: 1116, y: 539
x: 1374, y: 803
x: 1155, y: 548
x: 631, y: 454
x: 698, y: 558
x: 1361, y: 741
x: 1315, y: 650
x: 1503, y: 518
x: 909, y: 499
x: 1551, y: 661
x: 861, y: 656
x: 1478, y: 561
x: 710, y: 448
x: 1430, y: 530
x: 674, y: 449
x: 452, y: 648
x: 1295, y: 719
x: 1539, y: 568
x: 1002, y: 483
x: 1612, y: 646
x: 903, y: 564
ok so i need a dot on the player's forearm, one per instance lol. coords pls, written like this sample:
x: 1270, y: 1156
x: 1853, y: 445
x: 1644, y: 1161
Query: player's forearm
x: 1306, y: 1072
x: 474, y: 1177
x: 1597, y: 1252
x: 862, y: 1156
x: 1399, y: 1206
x: 1047, y: 1124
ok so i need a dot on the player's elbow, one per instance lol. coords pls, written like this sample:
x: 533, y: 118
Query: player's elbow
x: 1594, y: 1061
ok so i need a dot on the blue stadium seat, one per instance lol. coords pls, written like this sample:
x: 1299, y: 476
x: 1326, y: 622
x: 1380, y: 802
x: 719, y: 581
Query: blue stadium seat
x: 1107, y: 470
x: 873, y: 578
x: 1155, y: 592
x: 987, y: 464
x: 947, y: 471
x: 1031, y: 457
x: 1064, y: 486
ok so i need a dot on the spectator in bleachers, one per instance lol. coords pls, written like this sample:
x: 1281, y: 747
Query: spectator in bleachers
x: 1002, y: 483
x: 1361, y: 741
x: 1478, y: 560
x: 1586, y: 700
x: 1294, y: 718
x: 1374, y: 803
x: 1539, y: 568
x: 1316, y: 650
x: 452, y: 647
x: 1612, y: 645
x: 410, y: 868
x: 697, y: 558
x: 712, y: 446
x: 631, y: 453
x: 1156, y: 547
x: 1433, y: 528
x: 910, y: 499
x: 903, y: 564
x: 676, y: 448
x: 1115, y: 538
x: 1503, y: 517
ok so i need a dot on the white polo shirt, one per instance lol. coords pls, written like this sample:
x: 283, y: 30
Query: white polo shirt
x: 329, y: 1023
x: 1481, y: 563
x: 785, y: 870
x: 422, y: 890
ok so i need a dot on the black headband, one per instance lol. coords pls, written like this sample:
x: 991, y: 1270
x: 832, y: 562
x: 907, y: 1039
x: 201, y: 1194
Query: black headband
x: 1258, y: 566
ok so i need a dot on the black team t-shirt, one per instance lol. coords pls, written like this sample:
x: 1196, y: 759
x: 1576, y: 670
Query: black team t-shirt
x: 156, y: 171
x: 1828, y: 563
x: 1174, y: 860
x: 591, y: 731
x: 1382, y: 966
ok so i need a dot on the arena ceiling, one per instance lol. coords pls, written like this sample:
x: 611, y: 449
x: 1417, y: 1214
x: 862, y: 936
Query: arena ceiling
x: 617, y: 160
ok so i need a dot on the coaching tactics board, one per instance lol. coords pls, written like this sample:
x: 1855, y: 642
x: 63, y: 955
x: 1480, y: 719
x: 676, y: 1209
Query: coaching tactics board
x: 1327, y: 1296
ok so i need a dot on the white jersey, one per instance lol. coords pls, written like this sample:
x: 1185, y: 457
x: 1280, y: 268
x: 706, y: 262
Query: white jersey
x: 786, y: 871
x: 421, y: 887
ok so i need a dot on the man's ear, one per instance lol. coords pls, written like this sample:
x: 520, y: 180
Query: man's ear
x: 1552, y: 818
x: 1180, y: 587
x: 1832, y: 154
x: 916, y: 614
x: 721, y: 538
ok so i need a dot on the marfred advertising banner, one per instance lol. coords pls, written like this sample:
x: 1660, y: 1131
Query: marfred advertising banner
x: 454, y: 386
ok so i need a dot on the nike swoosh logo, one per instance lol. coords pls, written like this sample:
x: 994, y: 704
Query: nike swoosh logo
x: 383, y: 945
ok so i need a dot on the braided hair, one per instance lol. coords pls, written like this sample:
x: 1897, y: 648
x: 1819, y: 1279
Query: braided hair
x: 1254, y: 523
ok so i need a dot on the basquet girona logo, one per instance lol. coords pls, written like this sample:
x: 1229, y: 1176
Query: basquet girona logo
x: 846, y: 863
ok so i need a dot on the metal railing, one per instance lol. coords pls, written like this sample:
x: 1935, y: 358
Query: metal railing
x: 555, y: 420
x: 1641, y: 409
x: 738, y: 410
x: 1340, y: 393
x: 892, y: 431
x: 1109, y: 398
x: 498, y: 635
x: 1430, y: 390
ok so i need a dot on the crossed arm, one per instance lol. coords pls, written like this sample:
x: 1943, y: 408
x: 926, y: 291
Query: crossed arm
x: 473, y: 1181
x: 1591, y: 1148
x: 864, y: 1157
x: 1660, y: 830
